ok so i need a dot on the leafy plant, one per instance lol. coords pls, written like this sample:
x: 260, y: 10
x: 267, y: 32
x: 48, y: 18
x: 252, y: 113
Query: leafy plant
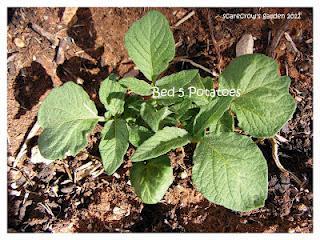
x: 229, y: 169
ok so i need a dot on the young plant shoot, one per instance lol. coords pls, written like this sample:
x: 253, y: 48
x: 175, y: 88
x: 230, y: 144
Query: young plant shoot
x: 163, y: 112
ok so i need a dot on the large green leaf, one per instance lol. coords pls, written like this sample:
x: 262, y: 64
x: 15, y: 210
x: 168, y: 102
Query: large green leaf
x: 132, y: 108
x: 67, y: 116
x: 150, y: 44
x: 152, y: 179
x: 169, y: 100
x: 197, y: 90
x: 177, y: 80
x: 160, y: 143
x: 114, y: 144
x: 225, y: 124
x: 181, y: 108
x: 264, y: 105
x: 138, y: 134
x: 210, y: 114
x: 230, y: 170
x: 112, y: 95
x: 152, y: 116
x: 137, y: 86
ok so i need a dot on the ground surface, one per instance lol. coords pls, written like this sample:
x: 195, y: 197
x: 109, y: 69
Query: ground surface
x: 71, y: 196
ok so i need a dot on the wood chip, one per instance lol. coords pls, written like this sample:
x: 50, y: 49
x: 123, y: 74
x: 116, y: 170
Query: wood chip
x: 68, y: 14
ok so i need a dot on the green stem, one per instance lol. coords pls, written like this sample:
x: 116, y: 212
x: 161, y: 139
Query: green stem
x: 101, y: 119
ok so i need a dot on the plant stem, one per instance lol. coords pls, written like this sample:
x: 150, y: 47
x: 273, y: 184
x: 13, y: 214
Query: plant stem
x: 101, y: 119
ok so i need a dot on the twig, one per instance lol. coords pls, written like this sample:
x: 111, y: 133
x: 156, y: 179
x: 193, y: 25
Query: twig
x: 275, y: 41
x: 49, y: 36
x: 216, y: 47
x: 23, y: 149
x: 289, y: 39
x: 181, y: 59
x: 47, y: 208
x: 63, y: 43
x: 182, y: 20
x: 275, y: 157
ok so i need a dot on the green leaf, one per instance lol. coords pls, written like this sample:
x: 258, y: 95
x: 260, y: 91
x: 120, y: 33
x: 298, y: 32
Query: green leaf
x: 114, y: 144
x: 264, y: 105
x: 138, y: 134
x: 210, y: 114
x: 224, y: 124
x: 150, y: 44
x: 207, y: 82
x: 137, y: 86
x: 112, y: 95
x: 177, y: 80
x: 197, y: 90
x: 181, y: 108
x: 132, y: 108
x: 67, y: 116
x: 230, y: 170
x: 152, y: 116
x: 152, y: 179
x: 168, y: 101
x: 160, y: 143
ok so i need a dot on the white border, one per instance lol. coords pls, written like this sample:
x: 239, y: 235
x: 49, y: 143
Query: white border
x: 157, y: 3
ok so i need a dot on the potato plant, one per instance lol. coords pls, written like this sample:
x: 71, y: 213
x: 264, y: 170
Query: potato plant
x: 160, y: 114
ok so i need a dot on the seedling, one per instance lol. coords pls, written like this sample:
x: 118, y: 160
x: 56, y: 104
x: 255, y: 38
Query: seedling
x: 228, y: 167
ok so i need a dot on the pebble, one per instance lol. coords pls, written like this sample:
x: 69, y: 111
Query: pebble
x: 118, y: 211
x: 19, y: 43
x: 183, y: 175
x: 245, y: 45
x: 116, y: 175
x: 302, y: 207
x: 291, y: 230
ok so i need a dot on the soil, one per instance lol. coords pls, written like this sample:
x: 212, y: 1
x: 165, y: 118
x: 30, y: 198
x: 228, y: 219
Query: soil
x: 74, y: 195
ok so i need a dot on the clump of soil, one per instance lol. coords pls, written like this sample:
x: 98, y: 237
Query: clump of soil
x: 75, y: 195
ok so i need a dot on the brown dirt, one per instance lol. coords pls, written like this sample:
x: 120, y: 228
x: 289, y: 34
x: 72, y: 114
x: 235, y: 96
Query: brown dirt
x: 47, y: 198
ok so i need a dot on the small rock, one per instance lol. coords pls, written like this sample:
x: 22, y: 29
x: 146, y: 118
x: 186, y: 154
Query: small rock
x: 243, y: 221
x: 116, y: 175
x: 118, y: 211
x: 15, y: 193
x: 80, y: 80
x: 67, y: 190
x: 302, y: 207
x: 19, y: 43
x: 291, y: 230
x: 14, y: 185
x: 245, y: 45
x: 183, y: 175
